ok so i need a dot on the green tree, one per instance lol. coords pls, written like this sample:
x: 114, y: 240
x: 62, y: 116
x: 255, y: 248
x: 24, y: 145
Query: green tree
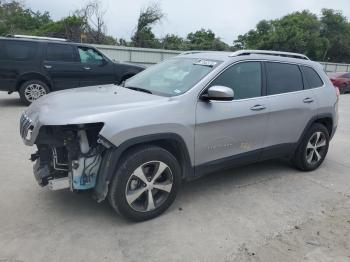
x: 336, y: 29
x: 88, y: 21
x: 297, y: 32
x: 144, y: 36
x: 205, y: 40
x: 15, y: 18
x: 71, y: 27
x: 173, y: 42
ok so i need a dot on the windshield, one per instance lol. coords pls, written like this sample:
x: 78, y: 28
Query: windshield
x: 172, y: 77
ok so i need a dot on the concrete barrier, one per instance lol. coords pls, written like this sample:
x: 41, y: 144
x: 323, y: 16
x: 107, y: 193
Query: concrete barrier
x: 148, y: 56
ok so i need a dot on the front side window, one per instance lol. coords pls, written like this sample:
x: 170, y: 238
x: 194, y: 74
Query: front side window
x: 172, y: 77
x: 18, y: 50
x: 60, y: 53
x: 244, y: 78
x: 313, y: 80
x: 283, y: 78
x: 89, y: 56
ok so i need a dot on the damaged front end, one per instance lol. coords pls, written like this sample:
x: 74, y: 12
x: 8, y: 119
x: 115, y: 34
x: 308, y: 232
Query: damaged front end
x: 68, y: 156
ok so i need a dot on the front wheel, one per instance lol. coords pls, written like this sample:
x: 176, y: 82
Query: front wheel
x: 32, y: 90
x: 145, y: 183
x: 313, y: 148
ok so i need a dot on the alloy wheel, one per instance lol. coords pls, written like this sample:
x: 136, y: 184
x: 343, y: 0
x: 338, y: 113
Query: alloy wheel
x: 149, y: 186
x: 316, y: 148
x: 34, y: 91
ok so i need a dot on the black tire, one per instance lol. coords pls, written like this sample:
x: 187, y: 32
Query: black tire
x: 301, y: 159
x: 124, y: 177
x: 43, y: 89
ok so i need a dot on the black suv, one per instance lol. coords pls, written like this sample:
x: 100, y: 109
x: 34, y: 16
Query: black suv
x: 35, y: 66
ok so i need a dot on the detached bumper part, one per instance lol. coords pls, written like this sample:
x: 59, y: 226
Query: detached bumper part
x: 41, y: 173
x: 59, y: 183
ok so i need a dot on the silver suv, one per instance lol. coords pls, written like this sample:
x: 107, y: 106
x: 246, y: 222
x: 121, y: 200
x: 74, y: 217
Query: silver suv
x: 191, y: 115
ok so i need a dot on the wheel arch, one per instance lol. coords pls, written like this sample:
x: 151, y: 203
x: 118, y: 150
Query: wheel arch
x: 32, y: 76
x: 327, y: 122
x: 168, y: 141
x: 324, y: 119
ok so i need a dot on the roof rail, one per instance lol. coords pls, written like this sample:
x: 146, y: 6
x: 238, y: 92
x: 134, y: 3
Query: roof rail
x: 38, y: 37
x: 267, y: 52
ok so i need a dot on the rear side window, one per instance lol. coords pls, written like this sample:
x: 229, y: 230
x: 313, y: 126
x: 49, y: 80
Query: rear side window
x: 60, y: 53
x: 244, y: 78
x: 283, y: 78
x: 313, y: 80
x: 18, y: 50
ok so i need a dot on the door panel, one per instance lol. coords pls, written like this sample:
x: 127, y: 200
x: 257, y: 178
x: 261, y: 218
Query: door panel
x: 61, y: 66
x: 228, y: 128
x: 289, y: 115
x: 225, y: 129
x: 64, y: 75
x: 95, y: 69
x: 291, y: 106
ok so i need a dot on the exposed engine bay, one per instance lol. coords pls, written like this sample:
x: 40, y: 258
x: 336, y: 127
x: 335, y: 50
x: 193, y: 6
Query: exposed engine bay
x: 68, y: 156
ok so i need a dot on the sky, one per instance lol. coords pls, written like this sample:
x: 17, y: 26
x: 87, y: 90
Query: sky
x: 226, y: 18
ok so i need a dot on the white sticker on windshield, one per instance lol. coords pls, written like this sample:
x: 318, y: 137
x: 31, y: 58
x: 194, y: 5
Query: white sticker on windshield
x: 177, y: 91
x: 205, y: 63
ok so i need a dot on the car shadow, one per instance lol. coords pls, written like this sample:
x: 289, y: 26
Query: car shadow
x: 82, y: 205
x: 10, y: 101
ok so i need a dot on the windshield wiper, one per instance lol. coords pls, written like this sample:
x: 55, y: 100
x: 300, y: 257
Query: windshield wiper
x: 139, y: 89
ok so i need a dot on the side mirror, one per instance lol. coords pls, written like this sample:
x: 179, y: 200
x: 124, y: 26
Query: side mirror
x: 220, y: 93
x: 104, y: 61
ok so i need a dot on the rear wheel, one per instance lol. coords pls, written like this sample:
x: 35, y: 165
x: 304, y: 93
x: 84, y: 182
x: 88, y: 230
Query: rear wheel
x: 313, y: 148
x: 32, y: 90
x: 145, y: 184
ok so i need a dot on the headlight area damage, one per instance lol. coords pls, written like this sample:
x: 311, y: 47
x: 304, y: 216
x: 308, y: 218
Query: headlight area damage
x: 69, y: 156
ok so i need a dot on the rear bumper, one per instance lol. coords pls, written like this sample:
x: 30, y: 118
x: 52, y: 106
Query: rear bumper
x: 333, y: 131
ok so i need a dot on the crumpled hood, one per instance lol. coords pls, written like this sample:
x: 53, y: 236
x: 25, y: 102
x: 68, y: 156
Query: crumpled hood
x: 87, y: 104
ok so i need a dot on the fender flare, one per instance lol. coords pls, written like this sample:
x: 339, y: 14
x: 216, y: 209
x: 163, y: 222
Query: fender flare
x: 31, y: 76
x: 313, y: 120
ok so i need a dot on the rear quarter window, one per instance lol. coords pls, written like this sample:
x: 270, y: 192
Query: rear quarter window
x: 18, y: 50
x: 60, y: 53
x: 313, y: 80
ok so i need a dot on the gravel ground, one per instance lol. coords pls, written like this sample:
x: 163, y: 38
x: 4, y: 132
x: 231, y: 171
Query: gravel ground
x: 262, y: 212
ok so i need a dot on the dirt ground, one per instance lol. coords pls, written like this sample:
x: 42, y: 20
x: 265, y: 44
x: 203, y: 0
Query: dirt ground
x: 263, y: 212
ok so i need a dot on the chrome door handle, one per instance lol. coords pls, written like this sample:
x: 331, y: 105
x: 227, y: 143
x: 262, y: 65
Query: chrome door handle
x: 48, y: 66
x: 87, y: 68
x: 308, y: 100
x: 257, y: 108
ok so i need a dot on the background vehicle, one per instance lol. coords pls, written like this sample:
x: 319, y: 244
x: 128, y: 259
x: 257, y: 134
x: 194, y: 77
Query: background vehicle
x: 35, y: 66
x: 341, y: 80
x: 188, y: 116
